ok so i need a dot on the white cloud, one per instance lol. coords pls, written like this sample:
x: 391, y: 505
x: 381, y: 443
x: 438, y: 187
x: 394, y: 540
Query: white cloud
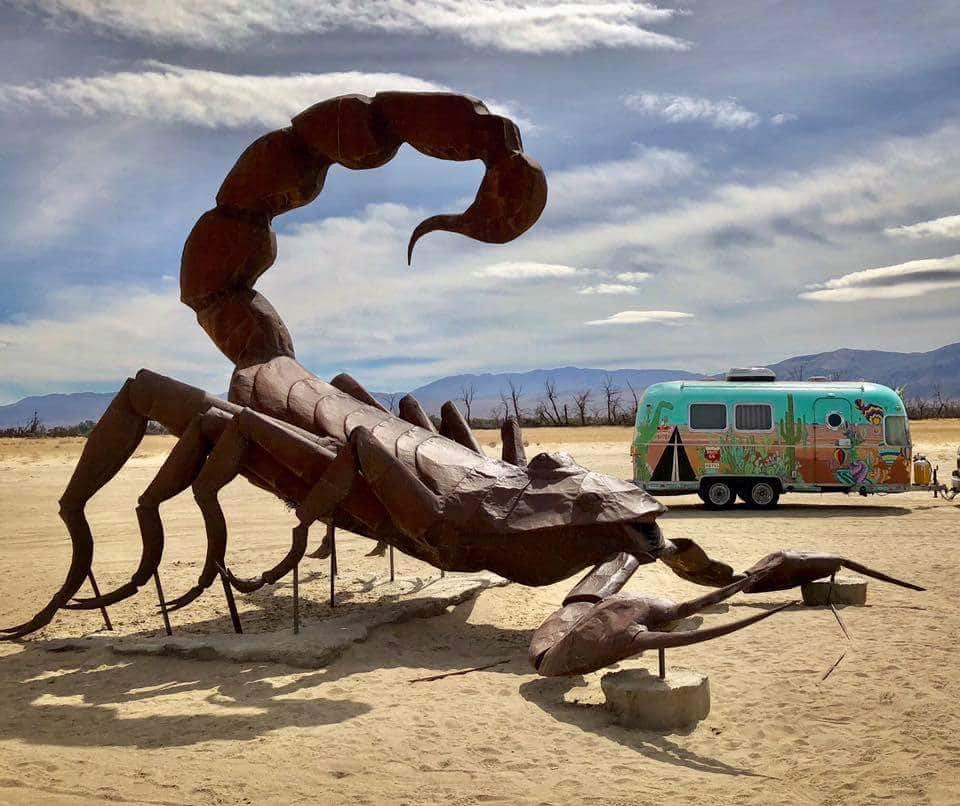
x: 909, y: 279
x: 609, y: 288
x: 577, y: 190
x: 170, y: 93
x: 724, y: 114
x: 633, y: 276
x: 783, y: 117
x: 946, y: 227
x: 513, y: 25
x: 527, y: 271
x: 642, y: 318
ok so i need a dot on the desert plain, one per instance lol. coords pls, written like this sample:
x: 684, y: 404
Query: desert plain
x: 87, y: 726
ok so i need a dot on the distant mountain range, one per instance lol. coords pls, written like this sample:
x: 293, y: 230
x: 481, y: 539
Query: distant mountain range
x: 920, y: 373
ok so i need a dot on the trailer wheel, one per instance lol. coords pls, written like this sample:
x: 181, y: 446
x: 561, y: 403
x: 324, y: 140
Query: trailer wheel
x: 763, y: 494
x: 718, y: 494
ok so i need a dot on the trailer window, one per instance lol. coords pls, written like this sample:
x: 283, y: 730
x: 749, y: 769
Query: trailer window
x: 895, y: 431
x: 708, y: 416
x: 753, y: 416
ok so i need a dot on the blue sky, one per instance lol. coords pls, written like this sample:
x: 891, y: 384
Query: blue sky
x: 730, y: 183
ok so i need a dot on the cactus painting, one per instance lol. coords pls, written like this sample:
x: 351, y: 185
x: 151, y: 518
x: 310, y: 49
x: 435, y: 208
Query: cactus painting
x: 792, y: 432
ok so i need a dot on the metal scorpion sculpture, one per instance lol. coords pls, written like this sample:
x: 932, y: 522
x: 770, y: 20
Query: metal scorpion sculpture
x: 337, y: 456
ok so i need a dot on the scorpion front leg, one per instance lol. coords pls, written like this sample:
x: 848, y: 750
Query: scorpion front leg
x: 598, y: 625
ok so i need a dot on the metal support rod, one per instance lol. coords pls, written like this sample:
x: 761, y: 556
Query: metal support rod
x: 163, y: 603
x: 333, y: 565
x: 296, y: 599
x: 662, y: 657
x: 390, y: 552
x: 103, y: 609
x: 442, y: 573
x: 231, y: 604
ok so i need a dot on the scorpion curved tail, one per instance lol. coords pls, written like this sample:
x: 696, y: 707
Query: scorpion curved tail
x: 233, y: 244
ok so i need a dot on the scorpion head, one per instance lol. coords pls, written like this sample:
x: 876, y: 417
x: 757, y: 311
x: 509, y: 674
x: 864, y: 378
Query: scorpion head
x: 569, y: 517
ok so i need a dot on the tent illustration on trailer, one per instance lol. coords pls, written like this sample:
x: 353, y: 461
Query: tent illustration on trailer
x: 674, y: 464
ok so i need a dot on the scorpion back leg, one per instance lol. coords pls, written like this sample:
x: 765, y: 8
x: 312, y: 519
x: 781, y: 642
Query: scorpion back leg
x: 109, y: 446
x: 178, y: 472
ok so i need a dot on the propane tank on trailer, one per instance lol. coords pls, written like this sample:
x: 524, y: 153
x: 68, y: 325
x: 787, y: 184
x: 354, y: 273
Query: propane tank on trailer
x: 922, y: 471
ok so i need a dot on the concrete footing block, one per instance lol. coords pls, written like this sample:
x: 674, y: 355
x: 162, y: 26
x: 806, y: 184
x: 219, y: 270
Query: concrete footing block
x: 641, y: 699
x: 847, y: 590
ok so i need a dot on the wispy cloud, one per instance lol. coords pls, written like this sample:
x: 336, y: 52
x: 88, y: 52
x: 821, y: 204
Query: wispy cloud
x: 633, y: 276
x: 513, y: 25
x: 642, y: 318
x: 609, y: 288
x: 946, y: 227
x: 527, y: 271
x: 723, y: 114
x: 909, y: 279
x: 575, y: 190
x: 782, y: 118
x: 173, y: 94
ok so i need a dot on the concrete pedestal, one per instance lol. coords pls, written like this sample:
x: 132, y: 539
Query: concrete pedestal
x: 846, y: 591
x: 641, y: 699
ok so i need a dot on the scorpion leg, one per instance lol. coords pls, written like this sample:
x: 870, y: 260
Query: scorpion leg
x: 511, y: 438
x: 454, y: 426
x: 222, y: 466
x: 111, y: 443
x: 413, y: 413
x: 293, y: 448
x: 178, y: 472
x: 353, y: 387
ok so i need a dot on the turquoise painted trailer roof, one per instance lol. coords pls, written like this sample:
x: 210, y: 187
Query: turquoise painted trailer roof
x: 774, y: 392
x: 780, y: 386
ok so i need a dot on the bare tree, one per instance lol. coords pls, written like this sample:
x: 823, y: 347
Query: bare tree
x: 938, y: 401
x: 796, y: 373
x: 552, y: 411
x: 516, y: 392
x: 393, y: 400
x: 636, y: 401
x: 498, y: 413
x: 467, y: 394
x: 581, y: 400
x: 612, y: 394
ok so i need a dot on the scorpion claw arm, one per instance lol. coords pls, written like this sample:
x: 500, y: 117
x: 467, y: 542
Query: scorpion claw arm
x: 597, y: 625
x: 782, y: 570
x: 584, y: 637
x: 690, y: 562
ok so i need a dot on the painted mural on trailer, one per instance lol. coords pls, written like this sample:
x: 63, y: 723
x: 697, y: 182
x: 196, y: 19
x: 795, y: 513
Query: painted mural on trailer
x: 809, y: 435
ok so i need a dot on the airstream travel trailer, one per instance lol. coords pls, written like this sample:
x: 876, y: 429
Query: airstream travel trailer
x: 754, y: 437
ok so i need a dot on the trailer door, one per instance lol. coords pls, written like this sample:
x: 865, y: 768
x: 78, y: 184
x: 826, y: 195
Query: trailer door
x: 831, y: 419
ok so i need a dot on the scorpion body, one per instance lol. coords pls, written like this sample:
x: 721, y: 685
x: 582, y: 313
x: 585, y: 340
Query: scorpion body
x: 334, y: 453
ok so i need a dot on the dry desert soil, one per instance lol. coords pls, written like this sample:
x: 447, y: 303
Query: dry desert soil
x: 89, y: 726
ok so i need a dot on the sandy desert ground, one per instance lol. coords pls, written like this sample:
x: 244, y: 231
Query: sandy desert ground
x: 86, y: 727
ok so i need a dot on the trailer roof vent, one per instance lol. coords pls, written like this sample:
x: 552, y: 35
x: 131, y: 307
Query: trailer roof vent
x: 818, y: 379
x: 751, y: 374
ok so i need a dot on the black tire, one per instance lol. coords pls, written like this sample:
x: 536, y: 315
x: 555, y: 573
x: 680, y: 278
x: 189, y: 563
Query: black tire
x: 763, y: 494
x: 718, y: 494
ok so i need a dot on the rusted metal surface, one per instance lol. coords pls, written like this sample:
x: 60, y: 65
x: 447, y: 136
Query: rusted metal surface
x: 337, y: 456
